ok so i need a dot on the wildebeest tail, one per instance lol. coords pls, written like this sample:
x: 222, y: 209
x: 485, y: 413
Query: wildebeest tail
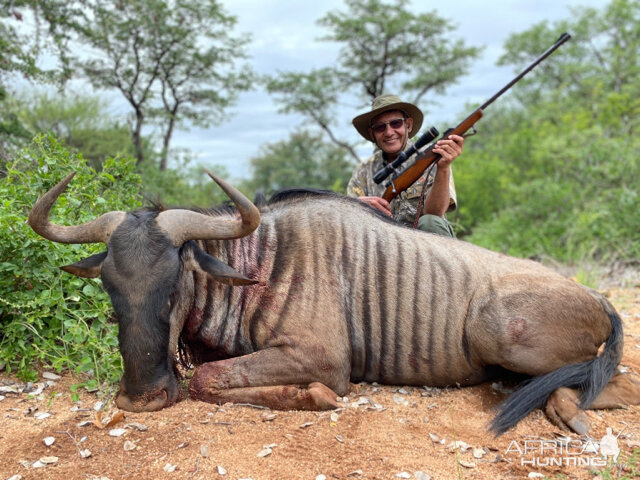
x: 590, y: 377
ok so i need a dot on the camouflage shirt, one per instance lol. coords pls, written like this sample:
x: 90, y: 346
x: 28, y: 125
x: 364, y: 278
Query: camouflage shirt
x: 405, y: 205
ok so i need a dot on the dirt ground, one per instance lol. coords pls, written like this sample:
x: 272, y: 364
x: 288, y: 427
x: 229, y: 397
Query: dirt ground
x: 381, y: 432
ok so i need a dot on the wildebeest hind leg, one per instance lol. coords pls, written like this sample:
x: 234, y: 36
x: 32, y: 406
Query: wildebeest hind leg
x: 316, y: 396
x: 563, y: 409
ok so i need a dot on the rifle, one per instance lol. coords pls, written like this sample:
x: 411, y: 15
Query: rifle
x: 401, y: 181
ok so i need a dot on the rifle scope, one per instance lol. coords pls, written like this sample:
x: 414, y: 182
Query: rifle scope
x: 402, y: 157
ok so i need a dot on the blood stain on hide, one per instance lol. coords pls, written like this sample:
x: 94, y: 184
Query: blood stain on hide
x: 516, y: 328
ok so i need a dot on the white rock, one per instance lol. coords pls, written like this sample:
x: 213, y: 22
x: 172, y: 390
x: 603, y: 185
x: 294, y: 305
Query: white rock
x: 86, y: 453
x: 321, y: 477
x: 15, y: 477
x: 420, y: 475
x: 478, y: 453
x: 117, y: 432
x: 169, y: 468
x: 48, y: 441
x: 221, y: 470
x: 98, y: 406
x: 128, y: 446
x: 403, y: 475
x: 51, y: 376
x: 467, y: 464
x: 204, y: 451
x: 499, y: 387
x: 2, y: 397
x: 535, y: 475
x: 48, y: 460
x: 37, y: 390
x: 38, y: 464
x: 138, y: 426
x: 334, y: 417
x: 264, y: 452
x: 458, y: 444
x: 399, y: 400
x: 41, y: 415
x: 403, y: 391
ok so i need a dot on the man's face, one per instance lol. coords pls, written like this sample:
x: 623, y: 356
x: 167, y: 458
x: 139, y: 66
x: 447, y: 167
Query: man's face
x: 391, y: 140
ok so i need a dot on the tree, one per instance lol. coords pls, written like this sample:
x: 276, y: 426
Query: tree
x: 81, y: 122
x: 19, y: 54
x: 602, y: 60
x: 553, y: 173
x: 173, y: 61
x: 385, y: 47
x: 302, y: 160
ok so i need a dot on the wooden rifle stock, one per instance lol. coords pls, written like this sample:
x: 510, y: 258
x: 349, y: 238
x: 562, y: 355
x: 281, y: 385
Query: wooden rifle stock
x: 424, y: 161
x: 400, y: 183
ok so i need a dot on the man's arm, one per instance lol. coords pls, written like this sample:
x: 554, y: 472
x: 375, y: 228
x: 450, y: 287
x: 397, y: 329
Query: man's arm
x: 438, y: 197
x: 356, y: 188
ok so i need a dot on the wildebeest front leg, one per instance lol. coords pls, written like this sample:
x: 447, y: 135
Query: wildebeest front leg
x: 267, y: 377
x: 316, y: 396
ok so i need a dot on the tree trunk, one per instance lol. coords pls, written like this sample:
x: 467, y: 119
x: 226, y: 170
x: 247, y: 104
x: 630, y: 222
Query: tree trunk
x: 136, y: 136
x: 166, y: 141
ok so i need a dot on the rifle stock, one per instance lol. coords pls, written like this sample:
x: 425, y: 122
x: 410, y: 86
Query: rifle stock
x: 413, y: 173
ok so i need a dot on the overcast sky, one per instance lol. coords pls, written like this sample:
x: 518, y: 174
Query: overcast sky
x: 285, y: 37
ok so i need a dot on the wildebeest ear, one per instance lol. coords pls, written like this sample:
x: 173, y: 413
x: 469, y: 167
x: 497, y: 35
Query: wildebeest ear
x: 220, y: 271
x: 89, y: 267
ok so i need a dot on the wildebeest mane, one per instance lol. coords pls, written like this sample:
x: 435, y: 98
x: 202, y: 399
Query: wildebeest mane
x: 294, y: 194
x: 289, y: 195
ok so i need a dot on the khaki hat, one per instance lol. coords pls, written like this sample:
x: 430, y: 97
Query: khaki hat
x: 386, y: 103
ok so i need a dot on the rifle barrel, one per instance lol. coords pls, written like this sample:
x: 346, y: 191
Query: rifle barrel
x: 563, y: 38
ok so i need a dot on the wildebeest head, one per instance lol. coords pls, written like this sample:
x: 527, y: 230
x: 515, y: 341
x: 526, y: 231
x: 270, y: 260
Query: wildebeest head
x: 140, y: 270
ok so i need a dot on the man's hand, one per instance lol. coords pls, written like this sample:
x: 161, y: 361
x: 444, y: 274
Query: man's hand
x: 448, y: 149
x: 377, y: 203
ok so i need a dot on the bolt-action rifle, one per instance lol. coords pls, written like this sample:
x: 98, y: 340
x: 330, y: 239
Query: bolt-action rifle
x: 399, y: 182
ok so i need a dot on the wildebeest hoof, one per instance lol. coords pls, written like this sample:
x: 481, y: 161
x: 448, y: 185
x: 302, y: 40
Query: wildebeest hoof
x: 580, y: 424
x: 323, y: 396
x: 563, y: 411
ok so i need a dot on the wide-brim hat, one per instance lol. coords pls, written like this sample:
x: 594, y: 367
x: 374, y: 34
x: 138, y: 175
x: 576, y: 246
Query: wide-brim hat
x: 386, y: 103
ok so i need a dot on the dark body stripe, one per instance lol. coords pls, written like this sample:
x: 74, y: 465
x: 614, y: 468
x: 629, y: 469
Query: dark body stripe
x: 382, y: 287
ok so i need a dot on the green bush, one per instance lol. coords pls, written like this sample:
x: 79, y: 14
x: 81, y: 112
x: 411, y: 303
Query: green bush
x: 50, y: 318
x: 580, y: 204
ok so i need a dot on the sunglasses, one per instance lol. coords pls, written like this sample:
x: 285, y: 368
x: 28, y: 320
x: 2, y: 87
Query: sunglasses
x: 382, y: 127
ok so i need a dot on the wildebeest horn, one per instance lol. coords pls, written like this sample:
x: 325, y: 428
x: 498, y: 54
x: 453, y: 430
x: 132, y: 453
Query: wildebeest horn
x: 95, y: 231
x: 184, y: 225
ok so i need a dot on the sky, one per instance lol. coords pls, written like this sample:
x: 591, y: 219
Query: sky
x: 285, y: 37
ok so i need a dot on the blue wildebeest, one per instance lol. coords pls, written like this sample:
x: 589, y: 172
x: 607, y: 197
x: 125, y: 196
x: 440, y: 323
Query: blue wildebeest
x: 284, y: 306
